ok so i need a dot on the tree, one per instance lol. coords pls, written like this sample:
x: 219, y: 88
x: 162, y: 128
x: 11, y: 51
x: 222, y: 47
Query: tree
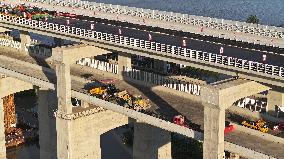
x: 252, y: 19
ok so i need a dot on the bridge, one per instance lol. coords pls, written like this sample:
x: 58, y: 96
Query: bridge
x: 58, y: 77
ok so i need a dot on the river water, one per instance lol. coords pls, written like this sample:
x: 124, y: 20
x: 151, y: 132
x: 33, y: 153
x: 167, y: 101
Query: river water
x: 269, y: 12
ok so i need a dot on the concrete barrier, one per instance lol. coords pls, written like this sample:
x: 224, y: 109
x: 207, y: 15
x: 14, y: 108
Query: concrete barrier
x: 146, y: 77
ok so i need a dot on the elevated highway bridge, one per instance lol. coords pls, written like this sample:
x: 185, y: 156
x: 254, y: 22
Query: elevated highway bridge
x: 32, y: 73
x: 225, y: 29
x: 265, y: 73
x: 67, y: 86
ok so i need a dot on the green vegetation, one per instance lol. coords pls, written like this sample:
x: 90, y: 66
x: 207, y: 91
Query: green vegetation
x: 252, y: 19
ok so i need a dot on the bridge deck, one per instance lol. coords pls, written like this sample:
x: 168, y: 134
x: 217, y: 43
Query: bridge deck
x: 168, y: 103
x: 240, y: 36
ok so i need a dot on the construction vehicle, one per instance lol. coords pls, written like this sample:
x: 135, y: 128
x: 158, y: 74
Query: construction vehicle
x: 260, y: 125
x: 103, y: 91
x: 132, y: 102
x: 180, y: 120
x: 228, y: 127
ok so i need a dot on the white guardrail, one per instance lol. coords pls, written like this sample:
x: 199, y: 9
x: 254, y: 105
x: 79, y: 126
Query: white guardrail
x: 154, y: 46
x: 33, y: 48
x: 144, y: 76
x: 236, y: 26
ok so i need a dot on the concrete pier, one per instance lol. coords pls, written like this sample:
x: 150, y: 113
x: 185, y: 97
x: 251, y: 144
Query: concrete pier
x: 275, y: 98
x: 124, y: 60
x: 214, y: 111
x: 58, y: 41
x: 63, y: 87
x: 151, y: 142
x: 214, y: 125
x: 47, y: 103
x: 25, y: 39
x: 82, y: 135
x: 160, y: 66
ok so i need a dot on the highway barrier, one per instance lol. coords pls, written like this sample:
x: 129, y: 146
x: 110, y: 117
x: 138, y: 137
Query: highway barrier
x: 144, y: 76
x: 153, y: 46
x: 160, y: 80
x: 100, y: 65
x: 33, y: 48
x: 252, y: 104
x: 10, y: 43
x: 234, y: 26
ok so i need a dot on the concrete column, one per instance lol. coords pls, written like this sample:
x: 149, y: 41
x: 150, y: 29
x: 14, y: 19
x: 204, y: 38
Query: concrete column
x: 64, y: 107
x: 2, y: 131
x: 63, y: 87
x: 274, y: 98
x: 124, y: 60
x: 25, y: 39
x: 47, y: 103
x: 234, y: 156
x: 160, y: 66
x: 214, y: 125
x: 151, y: 142
x: 58, y: 41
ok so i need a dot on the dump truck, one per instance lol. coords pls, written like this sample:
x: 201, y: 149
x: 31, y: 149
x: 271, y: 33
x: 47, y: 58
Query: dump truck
x: 132, y: 102
x: 259, y: 125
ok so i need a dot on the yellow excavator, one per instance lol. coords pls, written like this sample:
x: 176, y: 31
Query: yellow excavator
x: 98, y: 89
x: 133, y: 102
x: 260, y: 125
x: 103, y: 91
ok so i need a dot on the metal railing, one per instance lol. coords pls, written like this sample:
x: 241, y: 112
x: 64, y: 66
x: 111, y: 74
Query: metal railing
x: 152, y: 46
x: 236, y: 26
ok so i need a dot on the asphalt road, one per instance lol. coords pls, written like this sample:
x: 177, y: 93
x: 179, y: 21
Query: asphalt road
x: 167, y: 103
x: 229, y: 51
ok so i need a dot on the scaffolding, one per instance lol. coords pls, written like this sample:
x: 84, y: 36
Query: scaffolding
x: 9, y: 112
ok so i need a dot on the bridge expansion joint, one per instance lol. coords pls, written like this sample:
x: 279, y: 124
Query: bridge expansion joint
x: 74, y: 116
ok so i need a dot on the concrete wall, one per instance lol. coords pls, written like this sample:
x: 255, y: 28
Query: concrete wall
x: 151, y: 142
x: 84, y: 133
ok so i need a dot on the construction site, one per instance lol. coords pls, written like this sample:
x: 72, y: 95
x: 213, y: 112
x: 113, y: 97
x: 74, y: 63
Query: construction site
x: 17, y: 132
